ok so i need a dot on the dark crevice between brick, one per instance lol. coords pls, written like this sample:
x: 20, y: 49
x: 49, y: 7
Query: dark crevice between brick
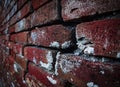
x: 30, y: 11
x: 106, y: 15
x: 26, y: 71
x: 16, y: 11
x: 42, y: 4
x: 68, y: 84
x: 74, y: 22
x: 59, y: 10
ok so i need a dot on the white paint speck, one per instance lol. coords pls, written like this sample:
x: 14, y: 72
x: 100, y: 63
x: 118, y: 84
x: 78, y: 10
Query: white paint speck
x: 51, y: 80
x: 118, y: 55
x: 21, y: 56
x: 71, y: 79
x: 15, y: 68
x: 24, y: 81
x: 7, y: 73
x: 91, y: 84
x: 102, y: 72
x: 106, y: 43
x: 34, y: 60
x: 12, y: 84
x: 66, y: 44
x: 55, y: 44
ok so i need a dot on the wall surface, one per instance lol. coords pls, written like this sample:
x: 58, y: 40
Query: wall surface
x: 60, y: 43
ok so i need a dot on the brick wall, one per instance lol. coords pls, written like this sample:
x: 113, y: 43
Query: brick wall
x: 60, y: 43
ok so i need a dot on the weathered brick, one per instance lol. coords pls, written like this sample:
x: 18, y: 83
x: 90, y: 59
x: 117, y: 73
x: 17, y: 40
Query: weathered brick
x: 17, y: 48
x: 37, y: 3
x: 13, y: 11
x: 10, y: 44
x: 103, y: 34
x: 56, y: 36
x: 19, y: 79
x: 42, y: 76
x: 31, y: 81
x: 45, y: 14
x: 22, y: 24
x: 74, y: 9
x: 21, y: 61
x: 43, y: 57
x: 20, y: 3
x: 13, y: 19
x: 19, y: 37
x: 80, y: 71
x: 10, y: 62
x: 25, y: 10
x: 11, y: 29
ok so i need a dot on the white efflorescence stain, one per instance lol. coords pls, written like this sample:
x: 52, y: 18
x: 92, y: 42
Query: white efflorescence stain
x: 91, y: 84
x: 55, y: 44
x: 34, y: 36
x: 56, y: 64
x: 66, y: 44
x: 50, y: 61
x: 51, y: 80
x: 68, y: 65
x: 34, y: 60
x: 85, y: 46
x: 89, y: 50
x: 20, y: 25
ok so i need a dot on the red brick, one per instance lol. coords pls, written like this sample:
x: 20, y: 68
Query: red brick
x: 19, y: 37
x: 56, y: 36
x: 31, y: 81
x: 13, y: 11
x: 4, y: 37
x: 45, y: 14
x: 80, y: 71
x: 37, y: 3
x: 42, y: 76
x: 40, y: 56
x: 19, y: 80
x: 25, y: 10
x: 17, y: 48
x: 13, y: 19
x: 21, y: 61
x: 20, y: 3
x: 10, y: 62
x: 11, y: 29
x: 22, y: 24
x: 9, y: 44
x: 103, y: 34
x: 74, y: 9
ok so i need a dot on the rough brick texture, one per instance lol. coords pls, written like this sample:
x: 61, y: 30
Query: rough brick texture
x: 73, y: 9
x: 59, y: 43
x: 56, y: 36
x: 105, y: 36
